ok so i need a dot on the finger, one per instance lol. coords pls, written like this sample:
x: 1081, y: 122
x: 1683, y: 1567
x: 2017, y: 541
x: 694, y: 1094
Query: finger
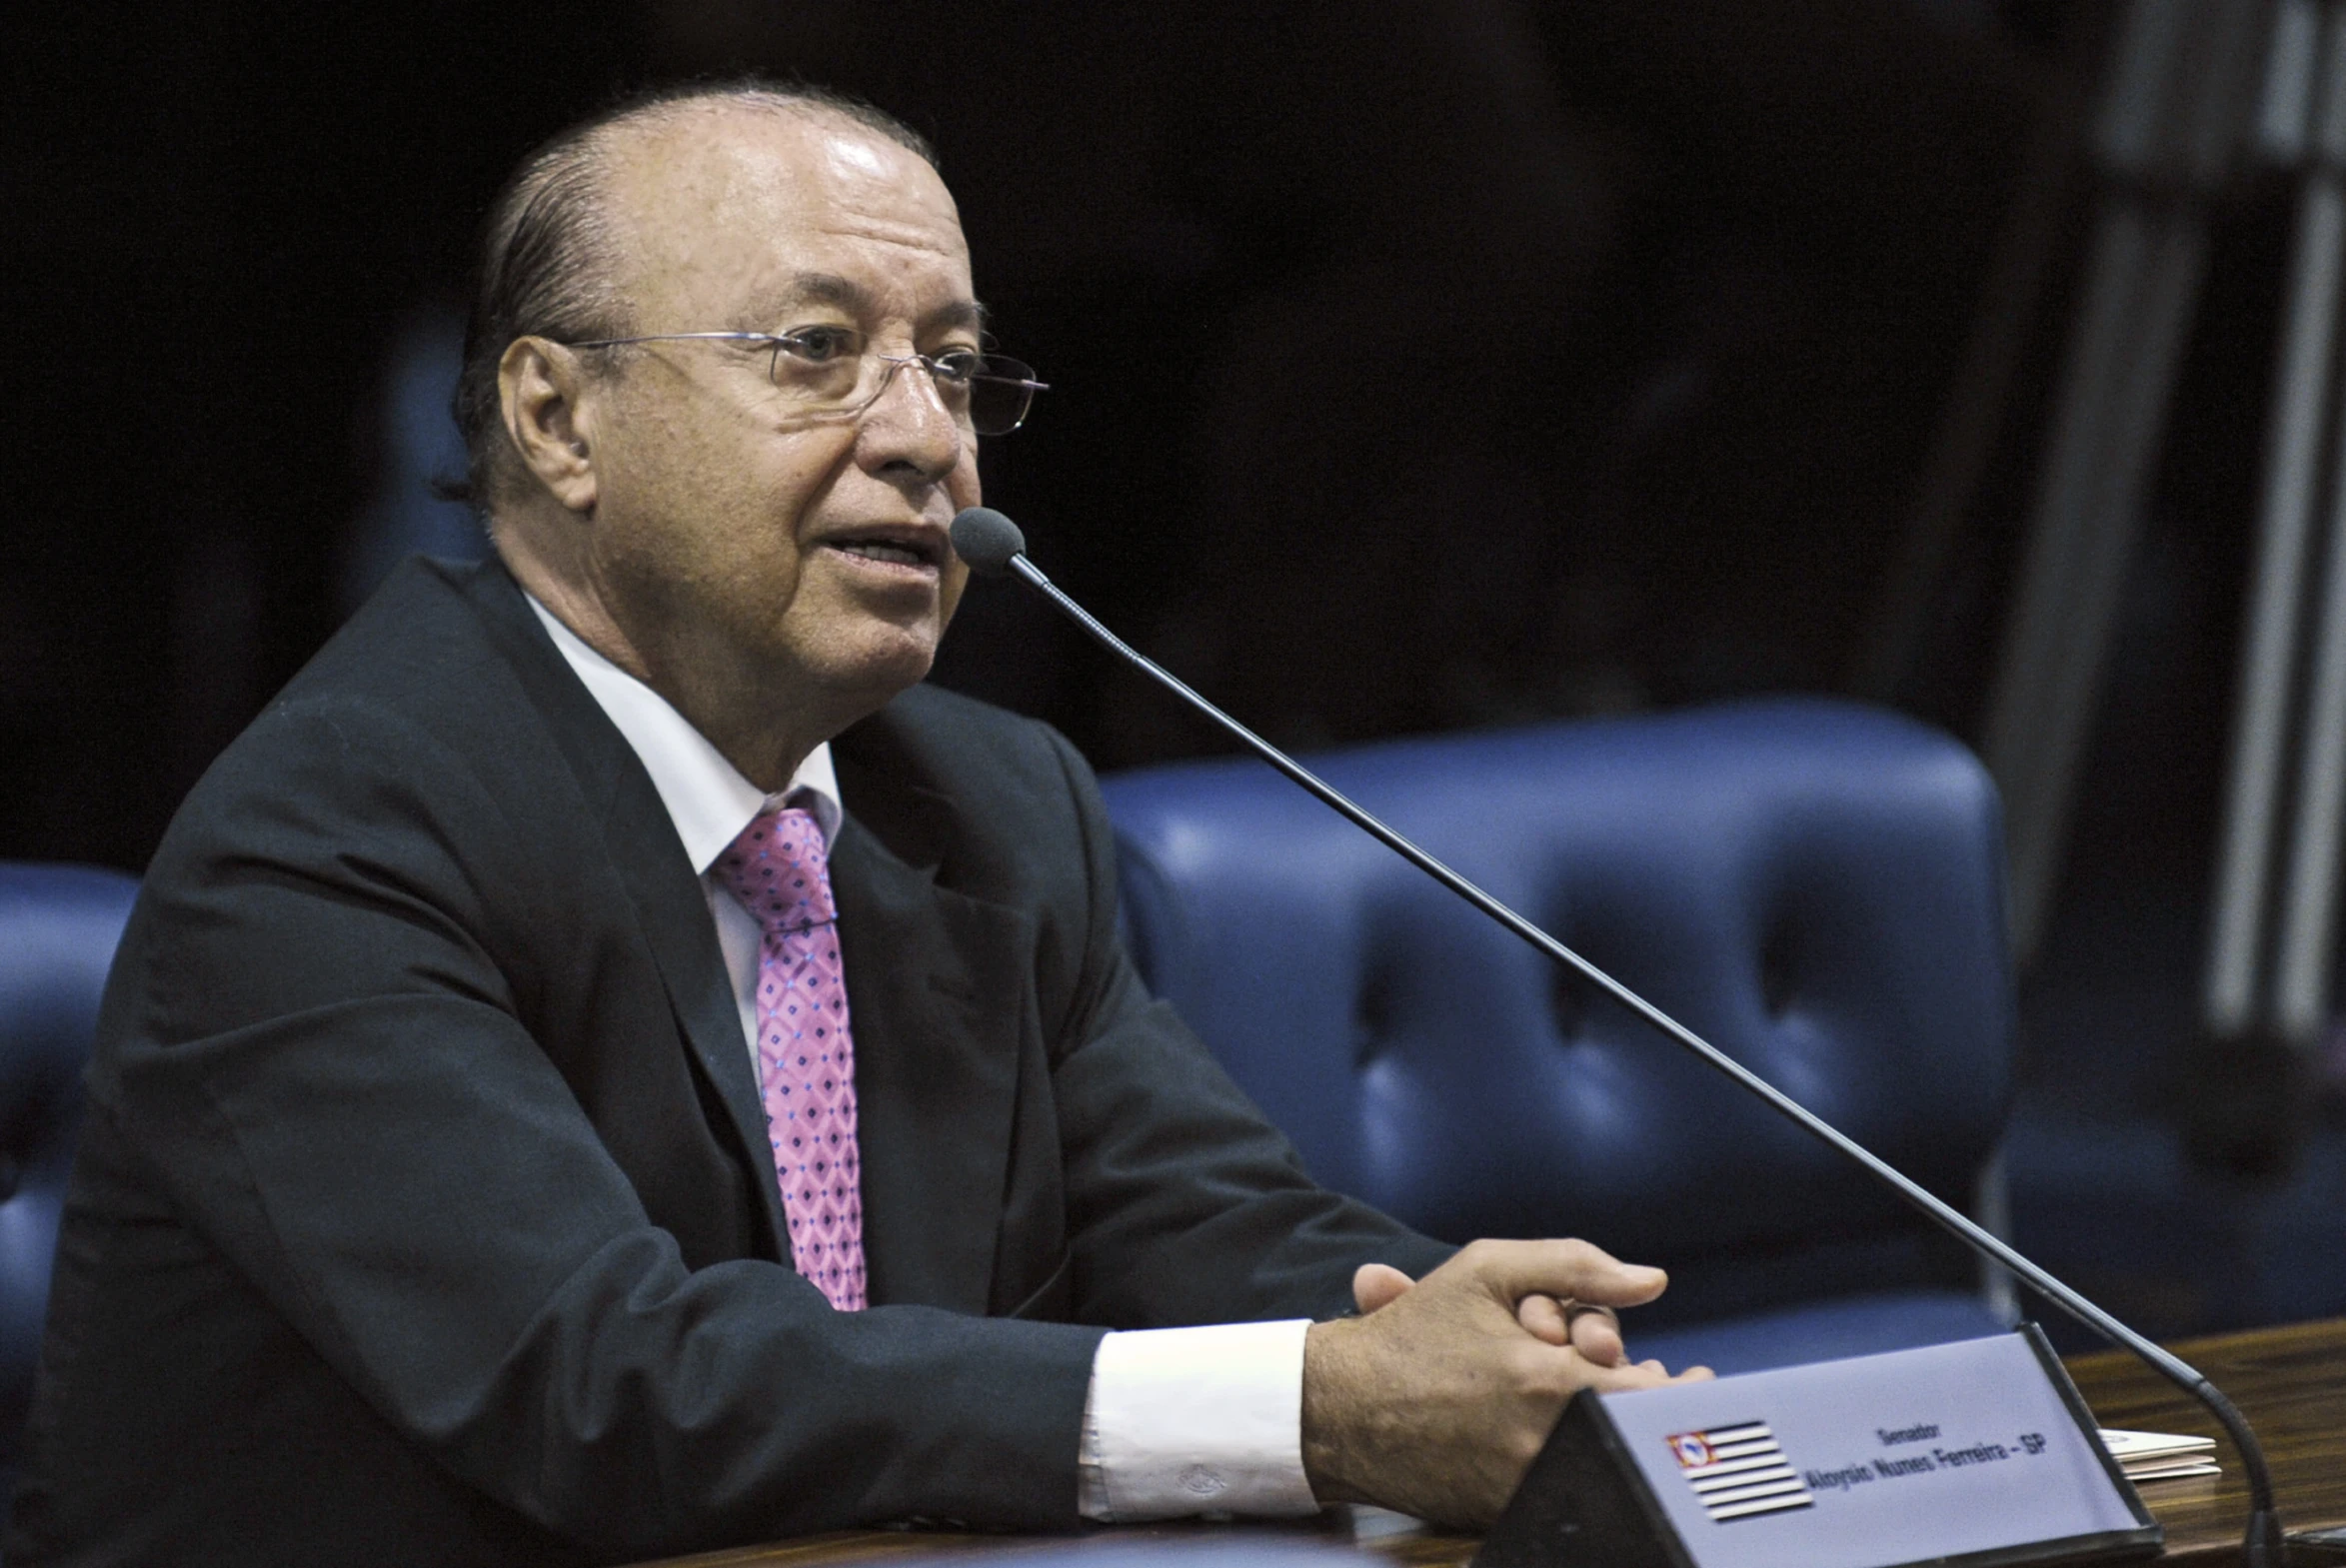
x: 1578, y: 1270
x: 1597, y: 1334
x: 1642, y: 1374
x: 1377, y: 1284
x: 1543, y: 1318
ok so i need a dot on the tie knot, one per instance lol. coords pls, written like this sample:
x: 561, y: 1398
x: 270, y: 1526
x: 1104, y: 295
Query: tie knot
x: 778, y: 870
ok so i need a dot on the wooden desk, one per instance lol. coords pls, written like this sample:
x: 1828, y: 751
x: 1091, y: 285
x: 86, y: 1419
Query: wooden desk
x: 2289, y: 1382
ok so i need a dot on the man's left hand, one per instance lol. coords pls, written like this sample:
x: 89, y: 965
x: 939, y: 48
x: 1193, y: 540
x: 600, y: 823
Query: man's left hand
x: 1592, y: 1330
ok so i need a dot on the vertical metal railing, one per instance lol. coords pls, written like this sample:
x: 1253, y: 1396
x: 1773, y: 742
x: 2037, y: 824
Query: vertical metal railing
x: 2270, y: 957
x: 2179, y: 108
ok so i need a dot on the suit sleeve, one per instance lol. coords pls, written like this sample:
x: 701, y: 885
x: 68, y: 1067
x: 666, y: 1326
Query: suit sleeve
x: 1184, y: 1204
x: 314, y: 1046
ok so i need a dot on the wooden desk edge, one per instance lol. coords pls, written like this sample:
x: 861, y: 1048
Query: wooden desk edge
x: 1419, y: 1547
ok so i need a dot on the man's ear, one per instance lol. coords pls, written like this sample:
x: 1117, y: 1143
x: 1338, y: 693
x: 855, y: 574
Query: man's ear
x: 539, y: 384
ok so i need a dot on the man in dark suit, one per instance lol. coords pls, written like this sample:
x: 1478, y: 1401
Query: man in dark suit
x: 481, y: 1166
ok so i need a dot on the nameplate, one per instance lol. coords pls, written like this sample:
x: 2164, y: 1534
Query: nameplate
x: 1976, y: 1453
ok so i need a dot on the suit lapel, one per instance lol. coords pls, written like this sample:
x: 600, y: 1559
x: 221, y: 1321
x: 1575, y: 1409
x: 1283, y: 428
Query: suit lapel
x: 937, y: 1054
x: 652, y: 865
x: 674, y: 917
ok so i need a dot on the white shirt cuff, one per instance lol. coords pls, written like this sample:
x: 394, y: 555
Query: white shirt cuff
x: 1196, y: 1420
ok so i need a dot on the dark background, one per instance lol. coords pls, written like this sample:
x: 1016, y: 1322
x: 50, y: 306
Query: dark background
x: 1415, y: 367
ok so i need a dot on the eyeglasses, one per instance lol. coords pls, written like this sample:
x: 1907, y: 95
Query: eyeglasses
x: 830, y: 373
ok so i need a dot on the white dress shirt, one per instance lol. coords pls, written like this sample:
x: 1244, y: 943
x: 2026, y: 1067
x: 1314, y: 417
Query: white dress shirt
x: 1178, y: 1420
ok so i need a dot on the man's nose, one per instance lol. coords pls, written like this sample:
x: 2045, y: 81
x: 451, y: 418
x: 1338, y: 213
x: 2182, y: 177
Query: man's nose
x: 908, y: 423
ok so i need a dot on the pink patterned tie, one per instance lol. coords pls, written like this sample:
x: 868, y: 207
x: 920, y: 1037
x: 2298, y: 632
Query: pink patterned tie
x: 777, y: 868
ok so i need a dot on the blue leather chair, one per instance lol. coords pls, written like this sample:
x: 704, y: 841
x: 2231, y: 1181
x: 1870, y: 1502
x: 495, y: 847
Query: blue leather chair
x: 58, y: 930
x: 1813, y: 887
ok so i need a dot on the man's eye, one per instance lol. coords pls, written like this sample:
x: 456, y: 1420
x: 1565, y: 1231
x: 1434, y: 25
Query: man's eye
x: 958, y: 364
x: 819, y: 345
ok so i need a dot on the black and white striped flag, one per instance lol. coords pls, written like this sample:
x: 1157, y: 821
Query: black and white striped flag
x: 1739, y: 1471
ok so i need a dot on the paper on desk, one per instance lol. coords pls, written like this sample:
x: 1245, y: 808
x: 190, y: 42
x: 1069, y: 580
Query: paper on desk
x: 2159, y: 1456
x: 2172, y: 1470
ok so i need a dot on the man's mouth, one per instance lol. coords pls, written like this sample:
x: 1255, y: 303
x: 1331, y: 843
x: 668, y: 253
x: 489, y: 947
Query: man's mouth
x: 894, y: 551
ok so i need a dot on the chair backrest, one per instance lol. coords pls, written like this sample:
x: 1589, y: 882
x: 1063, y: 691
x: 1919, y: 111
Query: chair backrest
x: 1813, y: 887
x: 58, y: 929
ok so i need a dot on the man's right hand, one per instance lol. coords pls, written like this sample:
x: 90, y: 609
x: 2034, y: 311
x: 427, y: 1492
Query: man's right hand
x: 1436, y: 1400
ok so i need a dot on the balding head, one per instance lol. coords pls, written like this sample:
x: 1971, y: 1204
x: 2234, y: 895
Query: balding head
x: 553, y: 259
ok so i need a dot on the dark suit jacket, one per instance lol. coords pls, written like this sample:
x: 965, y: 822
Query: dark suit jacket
x: 423, y: 1211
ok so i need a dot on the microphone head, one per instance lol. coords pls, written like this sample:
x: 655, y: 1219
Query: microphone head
x: 987, y: 540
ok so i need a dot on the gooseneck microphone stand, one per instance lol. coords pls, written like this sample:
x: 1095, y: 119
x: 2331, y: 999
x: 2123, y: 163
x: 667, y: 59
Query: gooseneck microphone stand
x: 992, y: 544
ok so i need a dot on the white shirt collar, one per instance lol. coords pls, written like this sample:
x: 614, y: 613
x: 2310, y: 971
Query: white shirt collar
x: 706, y: 796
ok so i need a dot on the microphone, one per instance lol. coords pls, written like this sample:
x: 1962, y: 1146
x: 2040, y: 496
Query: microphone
x: 989, y: 542
x: 991, y: 545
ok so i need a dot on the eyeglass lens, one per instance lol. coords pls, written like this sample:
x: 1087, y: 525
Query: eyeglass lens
x: 993, y: 391
x: 1001, y: 391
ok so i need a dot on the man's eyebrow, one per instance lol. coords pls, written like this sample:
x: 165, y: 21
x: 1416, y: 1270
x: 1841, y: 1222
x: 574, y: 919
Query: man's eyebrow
x: 829, y: 288
x: 961, y: 312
